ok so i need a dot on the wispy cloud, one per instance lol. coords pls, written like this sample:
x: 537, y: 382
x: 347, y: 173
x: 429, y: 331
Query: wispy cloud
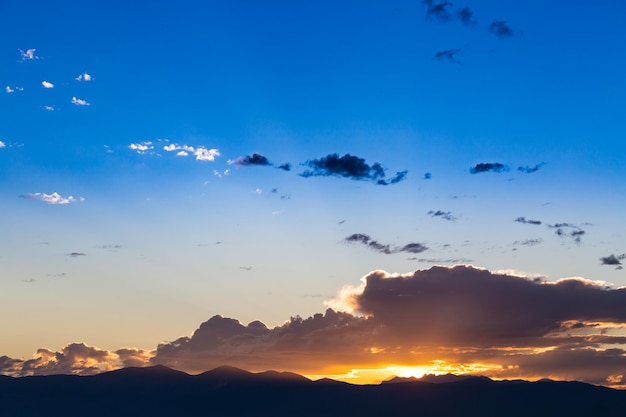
x: 47, y: 84
x: 443, y: 12
x: 48, y: 108
x: 488, y: 167
x: 384, y: 248
x: 449, y: 55
x: 349, y: 166
x: 9, y: 90
x: 528, y: 242
x: 54, y: 198
x: 524, y: 220
x: 80, y: 102
x: 28, y: 55
x: 446, y: 215
x: 529, y: 170
x: 84, y: 77
x: 76, y: 254
x: 500, y: 29
x: 2, y: 145
x: 141, y: 147
x: 568, y: 230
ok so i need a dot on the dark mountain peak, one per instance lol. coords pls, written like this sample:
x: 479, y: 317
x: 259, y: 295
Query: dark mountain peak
x: 282, y: 376
x: 437, y: 379
x: 156, y: 371
x: 226, y: 372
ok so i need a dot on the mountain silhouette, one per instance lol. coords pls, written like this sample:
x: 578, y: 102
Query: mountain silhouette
x: 233, y: 392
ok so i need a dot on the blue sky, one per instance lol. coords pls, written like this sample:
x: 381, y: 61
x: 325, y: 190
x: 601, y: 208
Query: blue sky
x: 153, y: 242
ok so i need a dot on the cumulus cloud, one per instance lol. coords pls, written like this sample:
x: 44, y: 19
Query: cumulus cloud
x: 141, y: 147
x: 28, y: 55
x: 80, y: 102
x: 2, y: 145
x: 446, y: 215
x: 461, y: 319
x: 524, y: 220
x: 488, y: 167
x: 443, y: 12
x: 9, y: 90
x: 384, y: 248
x: 83, y: 77
x: 54, y: 198
x: 500, y: 29
x: 47, y: 84
x: 349, y: 166
x: 48, y: 108
x: 200, y: 152
x: 256, y: 159
x: 466, y: 16
x: 568, y: 230
x: 449, y: 55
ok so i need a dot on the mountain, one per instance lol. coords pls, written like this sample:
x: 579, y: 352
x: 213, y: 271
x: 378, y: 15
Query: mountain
x: 232, y: 392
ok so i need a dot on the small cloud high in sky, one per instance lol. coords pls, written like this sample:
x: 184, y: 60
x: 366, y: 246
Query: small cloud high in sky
x: 317, y: 143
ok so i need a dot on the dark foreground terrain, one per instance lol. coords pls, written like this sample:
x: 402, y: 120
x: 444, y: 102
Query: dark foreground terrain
x: 225, y: 391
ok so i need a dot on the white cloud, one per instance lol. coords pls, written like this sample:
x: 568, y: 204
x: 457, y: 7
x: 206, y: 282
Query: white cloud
x: 9, y: 90
x: 54, y: 198
x: 84, y: 77
x: 49, y: 108
x: 2, y: 145
x: 47, y: 84
x: 203, y: 154
x: 79, y: 102
x: 28, y: 55
x: 141, y: 147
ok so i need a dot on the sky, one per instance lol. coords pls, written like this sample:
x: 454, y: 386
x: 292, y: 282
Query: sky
x: 346, y: 189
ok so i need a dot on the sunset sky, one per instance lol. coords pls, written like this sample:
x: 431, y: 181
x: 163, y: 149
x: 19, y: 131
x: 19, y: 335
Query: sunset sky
x: 354, y: 189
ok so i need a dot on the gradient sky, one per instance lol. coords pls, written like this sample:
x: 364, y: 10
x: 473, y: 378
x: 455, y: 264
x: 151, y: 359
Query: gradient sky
x: 163, y: 164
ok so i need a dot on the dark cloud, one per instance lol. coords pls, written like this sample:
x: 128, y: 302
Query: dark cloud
x: 449, y: 55
x: 612, y: 259
x: 440, y: 11
x: 500, y: 29
x: 568, y: 230
x: 446, y: 215
x: 76, y: 254
x: 350, y: 166
x: 524, y: 220
x: 529, y: 170
x: 384, y: 248
x: 488, y: 167
x: 465, y: 15
x: 256, y: 159
x: 428, y: 176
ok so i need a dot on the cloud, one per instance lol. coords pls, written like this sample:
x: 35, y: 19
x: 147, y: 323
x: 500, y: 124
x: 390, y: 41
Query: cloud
x: 54, y: 198
x: 568, y: 230
x: 612, y: 259
x: 384, y: 248
x: 2, y: 145
x: 201, y: 153
x: 500, y: 29
x: 9, y: 90
x: 47, y: 84
x: 523, y: 220
x: 488, y: 167
x: 141, y: 147
x: 84, y: 77
x: 446, y: 215
x: 447, y: 319
x: 28, y: 55
x: 80, y: 102
x: 440, y: 11
x: 528, y: 242
x: 465, y: 15
x: 428, y: 176
x: 530, y: 170
x: 349, y: 166
x: 76, y: 254
x: 248, y: 160
x: 48, y: 108
x: 449, y: 55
